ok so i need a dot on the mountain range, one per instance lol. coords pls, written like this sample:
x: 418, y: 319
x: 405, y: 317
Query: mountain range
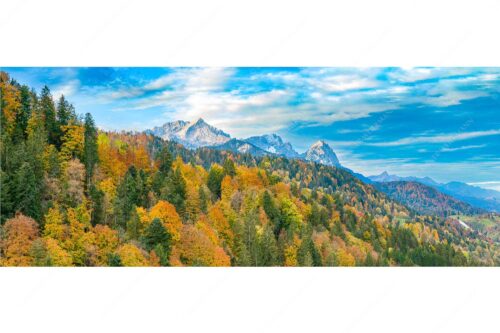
x: 425, y: 199
x: 199, y: 134
x: 473, y: 195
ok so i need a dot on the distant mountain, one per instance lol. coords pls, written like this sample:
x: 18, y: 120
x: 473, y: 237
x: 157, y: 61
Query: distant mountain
x: 191, y: 134
x: 385, y: 177
x: 473, y: 195
x: 321, y: 152
x: 470, y: 191
x: 477, y: 196
x: 274, y: 144
x: 241, y: 146
x: 425, y: 199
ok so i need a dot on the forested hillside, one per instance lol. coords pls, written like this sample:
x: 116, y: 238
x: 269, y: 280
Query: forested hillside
x: 72, y: 195
x: 425, y: 199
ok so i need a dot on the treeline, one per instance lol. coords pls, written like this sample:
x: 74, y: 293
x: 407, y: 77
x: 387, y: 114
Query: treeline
x: 75, y: 196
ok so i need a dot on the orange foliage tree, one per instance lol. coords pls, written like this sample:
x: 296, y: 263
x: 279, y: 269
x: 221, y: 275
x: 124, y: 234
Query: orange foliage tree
x: 19, y: 234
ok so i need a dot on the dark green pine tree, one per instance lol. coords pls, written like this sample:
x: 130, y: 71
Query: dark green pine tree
x: 65, y: 112
x: 27, y: 192
x: 126, y: 197
x: 229, y: 167
x: 90, y: 155
x: 268, y: 248
x: 157, y: 238
x: 214, y: 180
x: 241, y: 253
x: 5, y: 197
x: 272, y: 212
x: 174, y: 191
x: 23, y: 114
x: 250, y: 238
x: 23, y: 165
x: 164, y: 161
x: 97, y: 198
x: 48, y: 110
x: 143, y: 188
x: 203, y: 199
x: 114, y: 260
x: 133, y: 225
x: 314, y: 216
x: 369, y: 261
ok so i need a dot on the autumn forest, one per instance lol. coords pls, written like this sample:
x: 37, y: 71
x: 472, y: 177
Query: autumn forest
x: 74, y: 195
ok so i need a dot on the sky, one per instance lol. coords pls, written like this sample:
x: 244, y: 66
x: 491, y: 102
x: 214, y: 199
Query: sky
x: 438, y: 122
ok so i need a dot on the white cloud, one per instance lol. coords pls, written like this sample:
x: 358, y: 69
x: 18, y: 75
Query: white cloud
x: 67, y: 89
x: 449, y: 92
x: 435, y: 139
x: 492, y: 185
x: 340, y: 83
x: 411, y: 75
x: 446, y: 149
x: 183, y: 80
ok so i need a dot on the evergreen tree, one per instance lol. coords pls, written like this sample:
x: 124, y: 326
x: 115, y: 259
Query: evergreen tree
x: 337, y: 230
x: 314, y: 216
x: 97, y: 198
x: 90, y: 155
x: 268, y: 249
x: 229, y: 167
x: 203, y: 199
x: 5, y: 197
x: 250, y: 238
x: 369, y: 261
x: 133, y: 225
x: 48, y: 111
x: 143, y: 188
x: 214, y: 180
x: 65, y: 112
x: 164, y: 160
x: 24, y: 113
x: 157, y: 238
x: 241, y: 253
x: 126, y: 197
x: 114, y: 260
x: 307, y: 254
x: 272, y: 212
x: 36, y: 144
x: 158, y: 182
x: 174, y: 190
x: 27, y: 196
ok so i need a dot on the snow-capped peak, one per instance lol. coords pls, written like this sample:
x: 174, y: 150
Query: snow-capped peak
x: 321, y: 152
x: 273, y: 143
x: 192, y: 134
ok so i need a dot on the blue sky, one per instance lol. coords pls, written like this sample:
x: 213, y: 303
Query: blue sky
x: 437, y: 122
